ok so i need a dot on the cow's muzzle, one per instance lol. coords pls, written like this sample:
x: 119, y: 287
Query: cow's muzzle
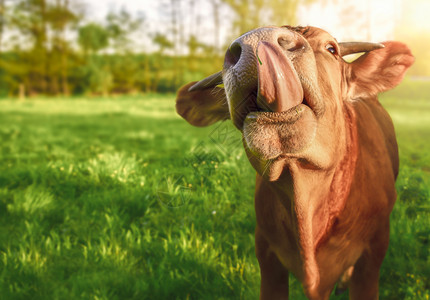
x: 259, y: 74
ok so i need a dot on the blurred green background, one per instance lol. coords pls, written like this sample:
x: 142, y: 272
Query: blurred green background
x: 105, y: 193
x: 76, y: 47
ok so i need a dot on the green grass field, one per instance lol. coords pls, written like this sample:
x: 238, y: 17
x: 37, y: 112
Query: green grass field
x: 122, y: 199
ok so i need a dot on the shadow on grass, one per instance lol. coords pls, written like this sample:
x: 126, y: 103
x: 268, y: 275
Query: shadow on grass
x: 81, y: 218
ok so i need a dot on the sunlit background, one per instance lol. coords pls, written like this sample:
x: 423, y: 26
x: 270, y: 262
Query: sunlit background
x: 67, y: 47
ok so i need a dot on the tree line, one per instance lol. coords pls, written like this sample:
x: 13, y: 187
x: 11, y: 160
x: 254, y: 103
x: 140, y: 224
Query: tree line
x: 56, y: 47
x: 50, y: 47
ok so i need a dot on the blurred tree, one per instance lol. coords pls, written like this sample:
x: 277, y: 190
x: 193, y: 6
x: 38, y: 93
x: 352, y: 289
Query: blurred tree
x: 60, y: 17
x: 99, y: 76
x: 14, y: 73
x: 163, y: 44
x: 3, y: 87
x: 124, y: 70
x: 254, y: 13
x: 40, y: 26
x: 247, y: 13
x: 177, y: 41
x: 2, y: 21
x: 216, y: 5
x: 192, y: 17
x: 193, y: 45
x: 198, y: 50
x: 283, y: 12
x: 120, y: 26
x: 29, y: 17
x: 92, y: 38
x: 171, y: 11
x: 43, y: 57
x: 174, y: 11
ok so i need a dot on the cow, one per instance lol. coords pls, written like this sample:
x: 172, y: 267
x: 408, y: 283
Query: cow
x: 324, y: 149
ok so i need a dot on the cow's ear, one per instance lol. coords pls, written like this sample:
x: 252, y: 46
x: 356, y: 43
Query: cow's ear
x: 202, y: 107
x: 379, y: 70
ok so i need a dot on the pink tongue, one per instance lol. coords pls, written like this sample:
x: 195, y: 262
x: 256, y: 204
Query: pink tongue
x: 279, y: 87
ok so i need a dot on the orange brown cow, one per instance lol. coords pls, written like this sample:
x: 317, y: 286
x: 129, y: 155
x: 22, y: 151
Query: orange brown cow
x: 323, y: 147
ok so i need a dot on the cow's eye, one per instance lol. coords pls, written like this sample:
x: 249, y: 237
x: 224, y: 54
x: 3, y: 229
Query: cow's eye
x: 330, y: 48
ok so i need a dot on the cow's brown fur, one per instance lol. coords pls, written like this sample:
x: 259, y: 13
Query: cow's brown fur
x: 323, y: 211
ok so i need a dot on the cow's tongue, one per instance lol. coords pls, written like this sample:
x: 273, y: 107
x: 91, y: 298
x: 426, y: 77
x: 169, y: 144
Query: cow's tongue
x: 279, y: 87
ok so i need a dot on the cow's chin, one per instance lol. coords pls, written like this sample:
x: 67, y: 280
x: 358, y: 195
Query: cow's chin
x: 271, y: 138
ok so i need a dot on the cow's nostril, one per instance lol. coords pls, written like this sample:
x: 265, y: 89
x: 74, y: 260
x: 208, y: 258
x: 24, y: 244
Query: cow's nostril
x: 233, y: 54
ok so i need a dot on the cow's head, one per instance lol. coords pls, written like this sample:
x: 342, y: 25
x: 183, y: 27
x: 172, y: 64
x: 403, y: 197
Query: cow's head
x: 286, y: 88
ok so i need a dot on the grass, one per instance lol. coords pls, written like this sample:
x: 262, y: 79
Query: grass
x: 121, y: 199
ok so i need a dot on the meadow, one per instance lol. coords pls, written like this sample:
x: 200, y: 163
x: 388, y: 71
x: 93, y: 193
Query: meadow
x: 120, y: 198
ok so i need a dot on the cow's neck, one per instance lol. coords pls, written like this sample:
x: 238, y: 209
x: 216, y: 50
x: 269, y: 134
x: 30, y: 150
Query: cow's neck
x: 318, y: 197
